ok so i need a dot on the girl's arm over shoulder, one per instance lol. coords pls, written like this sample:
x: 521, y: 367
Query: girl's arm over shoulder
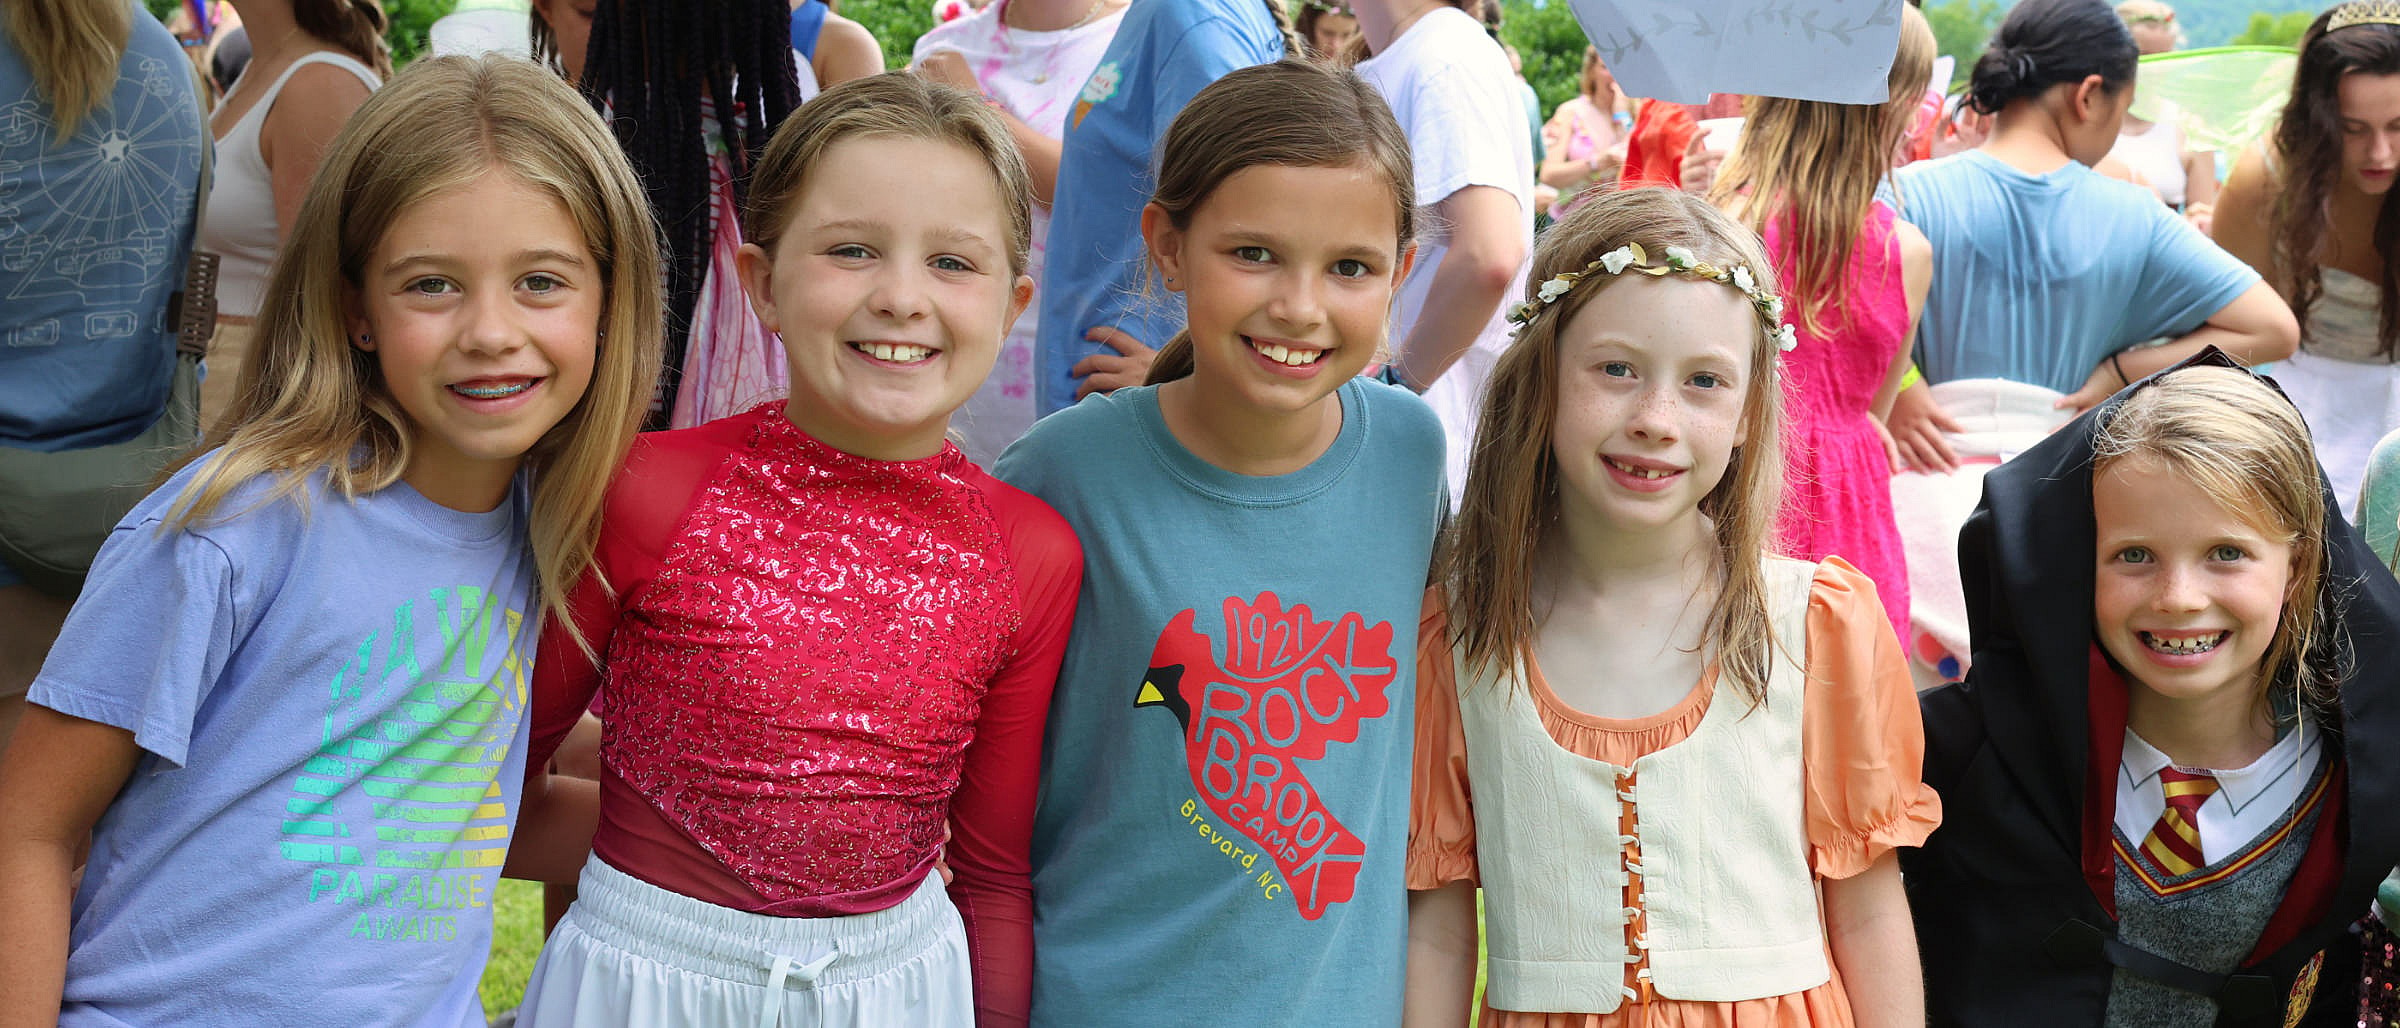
x: 57, y: 776
x: 990, y: 850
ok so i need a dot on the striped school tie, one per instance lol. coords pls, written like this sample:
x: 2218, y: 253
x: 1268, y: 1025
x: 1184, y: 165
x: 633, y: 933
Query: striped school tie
x: 2174, y: 843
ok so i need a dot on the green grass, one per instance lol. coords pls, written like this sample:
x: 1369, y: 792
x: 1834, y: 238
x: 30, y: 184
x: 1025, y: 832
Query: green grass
x: 516, y: 939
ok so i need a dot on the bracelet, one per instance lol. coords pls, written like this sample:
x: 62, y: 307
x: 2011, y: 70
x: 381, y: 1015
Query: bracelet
x: 2113, y: 365
x: 1912, y: 378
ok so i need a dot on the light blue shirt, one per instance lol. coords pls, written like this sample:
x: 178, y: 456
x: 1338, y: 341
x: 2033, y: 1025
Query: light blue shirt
x: 330, y: 706
x: 1165, y: 51
x: 1224, y: 811
x: 2038, y: 278
x: 94, y: 235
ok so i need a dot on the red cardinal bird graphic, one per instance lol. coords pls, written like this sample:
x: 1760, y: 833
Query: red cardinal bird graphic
x: 1290, y: 686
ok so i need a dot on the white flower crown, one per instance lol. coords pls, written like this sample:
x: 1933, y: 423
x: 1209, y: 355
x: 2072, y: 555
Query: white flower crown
x: 1680, y: 261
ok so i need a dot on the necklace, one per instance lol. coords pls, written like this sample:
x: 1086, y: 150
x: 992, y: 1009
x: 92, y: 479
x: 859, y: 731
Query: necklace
x: 1042, y: 76
x: 1089, y: 13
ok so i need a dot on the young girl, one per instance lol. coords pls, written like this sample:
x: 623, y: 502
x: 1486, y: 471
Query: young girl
x: 1615, y: 667
x: 2156, y: 812
x: 288, y: 708
x: 1803, y: 175
x: 1219, y: 835
x: 2313, y: 210
x: 824, y: 635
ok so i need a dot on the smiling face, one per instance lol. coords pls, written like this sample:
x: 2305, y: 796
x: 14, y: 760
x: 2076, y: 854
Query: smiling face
x: 1652, y: 374
x: 482, y: 307
x: 892, y: 288
x: 2370, y: 108
x: 2187, y: 594
x: 1287, y: 274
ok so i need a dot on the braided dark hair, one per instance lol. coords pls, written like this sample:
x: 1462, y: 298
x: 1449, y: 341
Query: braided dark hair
x: 648, y: 69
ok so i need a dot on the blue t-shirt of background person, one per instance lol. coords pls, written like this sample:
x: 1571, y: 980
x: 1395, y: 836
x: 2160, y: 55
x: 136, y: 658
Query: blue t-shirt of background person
x: 2038, y: 278
x: 94, y: 235
x: 1164, y: 52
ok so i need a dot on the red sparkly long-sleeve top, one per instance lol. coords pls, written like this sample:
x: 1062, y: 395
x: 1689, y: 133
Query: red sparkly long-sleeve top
x: 811, y: 662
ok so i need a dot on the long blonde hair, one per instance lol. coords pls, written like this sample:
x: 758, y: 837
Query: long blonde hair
x: 312, y: 402
x: 72, y: 48
x: 2245, y: 446
x: 1814, y: 166
x: 1511, y: 507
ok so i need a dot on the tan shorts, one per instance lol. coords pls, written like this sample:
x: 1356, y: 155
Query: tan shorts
x: 226, y: 352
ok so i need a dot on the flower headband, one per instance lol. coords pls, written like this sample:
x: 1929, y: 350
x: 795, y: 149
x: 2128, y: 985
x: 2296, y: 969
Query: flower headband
x: 1679, y: 262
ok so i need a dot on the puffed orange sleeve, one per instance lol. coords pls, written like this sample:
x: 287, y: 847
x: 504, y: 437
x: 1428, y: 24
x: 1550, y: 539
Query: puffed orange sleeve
x: 1441, y: 814
x: 1862, y: 741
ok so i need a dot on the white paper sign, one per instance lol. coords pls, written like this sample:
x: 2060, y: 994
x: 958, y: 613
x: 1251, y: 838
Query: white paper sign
x: 1838, y: 51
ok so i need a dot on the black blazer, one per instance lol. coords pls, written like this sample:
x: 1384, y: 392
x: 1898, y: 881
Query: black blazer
x: 2011, y: 932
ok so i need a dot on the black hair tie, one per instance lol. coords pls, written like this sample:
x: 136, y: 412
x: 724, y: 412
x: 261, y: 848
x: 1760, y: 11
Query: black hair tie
x: 2022, y: 64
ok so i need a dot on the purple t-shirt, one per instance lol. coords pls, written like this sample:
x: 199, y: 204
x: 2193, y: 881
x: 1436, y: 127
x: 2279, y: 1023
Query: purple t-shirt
x: 330, y: 705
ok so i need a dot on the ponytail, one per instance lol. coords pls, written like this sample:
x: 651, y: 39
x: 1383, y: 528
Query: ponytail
x: 356, y: 26
x: 1174, y: 360
x: 2043, y: 43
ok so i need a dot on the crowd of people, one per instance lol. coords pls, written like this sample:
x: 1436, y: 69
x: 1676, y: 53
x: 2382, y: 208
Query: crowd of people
x: 1098, y: 525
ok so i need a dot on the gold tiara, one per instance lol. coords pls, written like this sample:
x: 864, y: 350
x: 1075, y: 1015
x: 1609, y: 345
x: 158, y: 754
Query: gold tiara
x: 2364, y: 12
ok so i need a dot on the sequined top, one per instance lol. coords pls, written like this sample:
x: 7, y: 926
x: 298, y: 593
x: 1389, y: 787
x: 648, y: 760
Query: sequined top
x: 813, y: 661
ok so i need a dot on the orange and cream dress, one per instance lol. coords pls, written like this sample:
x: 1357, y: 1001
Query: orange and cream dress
x: 1861, y: 744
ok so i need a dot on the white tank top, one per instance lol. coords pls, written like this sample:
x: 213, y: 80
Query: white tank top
x: 241, y: 206
x: 2156, y: 152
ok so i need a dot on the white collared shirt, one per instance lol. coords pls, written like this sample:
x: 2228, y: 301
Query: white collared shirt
x: 2248, y: 800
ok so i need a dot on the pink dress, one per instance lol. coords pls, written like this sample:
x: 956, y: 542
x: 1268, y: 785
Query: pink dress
x: 1838, y: 498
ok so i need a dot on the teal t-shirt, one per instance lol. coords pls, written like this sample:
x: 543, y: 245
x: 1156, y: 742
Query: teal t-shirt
x: 1224, y: 810
x: 2038, y: 278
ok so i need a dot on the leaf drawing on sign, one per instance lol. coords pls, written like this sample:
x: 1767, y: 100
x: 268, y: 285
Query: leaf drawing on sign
x: 1778, y: 13
x: 1698, y: 26
x: 1843, y: 30
x: 1612, y: 50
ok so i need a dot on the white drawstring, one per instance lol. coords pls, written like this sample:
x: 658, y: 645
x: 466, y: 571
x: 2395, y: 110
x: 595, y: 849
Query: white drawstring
x: 784, y: 970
